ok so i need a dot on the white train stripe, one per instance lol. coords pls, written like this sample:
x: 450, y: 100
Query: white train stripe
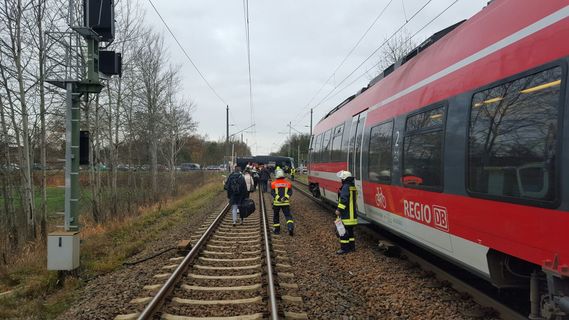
x: 464, y: 251
x: 325, y: 175
x: 511, y: 39
x: 469, y: 253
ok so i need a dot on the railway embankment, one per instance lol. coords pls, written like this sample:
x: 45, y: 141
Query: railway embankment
x: 97, y: 289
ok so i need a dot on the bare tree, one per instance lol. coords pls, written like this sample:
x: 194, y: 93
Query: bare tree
x: 154, y: 76
x: 178, y: 125
x: 12, y: 19
x: 394, y: 50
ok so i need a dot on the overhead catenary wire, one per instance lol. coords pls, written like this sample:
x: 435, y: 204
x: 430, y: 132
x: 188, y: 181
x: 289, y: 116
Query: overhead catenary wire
x: 347, y: 55
x: 186, y: 54
x: 372, y: 54
x: 407, y: 40
x: 248, y: 44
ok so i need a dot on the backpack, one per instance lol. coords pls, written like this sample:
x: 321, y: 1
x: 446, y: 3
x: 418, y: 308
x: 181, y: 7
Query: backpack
x: 234, y: 186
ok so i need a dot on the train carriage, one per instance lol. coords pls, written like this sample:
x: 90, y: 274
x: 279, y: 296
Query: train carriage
x: 461, y: 147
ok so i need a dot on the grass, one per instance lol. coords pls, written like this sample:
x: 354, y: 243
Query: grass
x: 41, y: 294
x: 55, y: 198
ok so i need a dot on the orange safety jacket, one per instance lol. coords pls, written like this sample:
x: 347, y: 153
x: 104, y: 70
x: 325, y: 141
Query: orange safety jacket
x: 281, y: 190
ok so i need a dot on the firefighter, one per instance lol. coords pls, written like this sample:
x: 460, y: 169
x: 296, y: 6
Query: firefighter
x: 281, y: 190
x: 292, y: 173
x: 347, y: 211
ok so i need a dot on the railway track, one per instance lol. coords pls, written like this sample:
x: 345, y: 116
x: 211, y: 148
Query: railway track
x: 229, y: 273
x: 479, y: 296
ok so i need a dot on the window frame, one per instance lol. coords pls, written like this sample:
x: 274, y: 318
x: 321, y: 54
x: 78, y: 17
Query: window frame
x: 559, y: 143
x: 334, y: 136
x: 316, y: 148
x: 441, y: 104
x: 324, y: 158
x: 392, y: 121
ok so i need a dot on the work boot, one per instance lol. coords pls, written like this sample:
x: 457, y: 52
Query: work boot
x: 290, y: 232
x: 277, y: 231
x: 352, y: 246
x: 342, y: 251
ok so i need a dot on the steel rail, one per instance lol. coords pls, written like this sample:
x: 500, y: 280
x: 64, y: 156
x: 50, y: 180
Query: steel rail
x: 459, y: 285
x: 153, y: 306
x: 272, y: 291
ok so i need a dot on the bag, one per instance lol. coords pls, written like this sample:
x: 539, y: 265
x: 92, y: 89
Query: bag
x: 340, y: 227
x: 246, y: 208
x: 234, y: 186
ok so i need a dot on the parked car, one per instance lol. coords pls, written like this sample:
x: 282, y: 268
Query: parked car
x: 123, y: 167
x: 189, y: 166
x: 10, y: 167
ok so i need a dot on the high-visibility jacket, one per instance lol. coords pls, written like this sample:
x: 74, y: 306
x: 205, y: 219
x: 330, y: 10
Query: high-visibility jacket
x: 347, y: 196
x: 281, y: 190
x: 292, y: 171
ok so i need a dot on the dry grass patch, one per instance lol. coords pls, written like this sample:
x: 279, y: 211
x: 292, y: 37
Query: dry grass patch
x: 42, y: 294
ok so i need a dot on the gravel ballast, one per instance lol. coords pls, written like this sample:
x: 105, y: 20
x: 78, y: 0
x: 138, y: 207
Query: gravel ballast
x: 109, y: 295
x: 365, y: 284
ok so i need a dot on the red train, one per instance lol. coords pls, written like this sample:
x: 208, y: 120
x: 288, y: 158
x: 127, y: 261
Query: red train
x: 460, y: 148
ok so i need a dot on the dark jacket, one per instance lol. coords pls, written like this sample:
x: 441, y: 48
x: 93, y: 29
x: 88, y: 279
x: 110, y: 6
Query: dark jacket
x: 264, y: 175
x: 236, y: 197
x: 347, y: 197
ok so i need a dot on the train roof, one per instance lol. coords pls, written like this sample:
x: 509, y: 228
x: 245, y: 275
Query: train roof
x: 407, y: 57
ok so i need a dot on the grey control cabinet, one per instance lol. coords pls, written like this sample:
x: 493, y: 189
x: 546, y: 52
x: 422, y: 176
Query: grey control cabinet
x: 63, y: 250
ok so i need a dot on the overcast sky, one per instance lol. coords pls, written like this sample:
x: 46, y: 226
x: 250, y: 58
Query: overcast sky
x: 295, y: 47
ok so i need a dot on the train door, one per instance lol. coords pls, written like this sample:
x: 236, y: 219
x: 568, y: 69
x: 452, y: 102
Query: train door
x: 355, y: 147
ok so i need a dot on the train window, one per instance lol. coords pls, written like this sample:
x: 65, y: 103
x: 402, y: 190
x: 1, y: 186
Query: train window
x: 336, y: 154
x: 325, y: 154
x: 380, y: 153
x: 425, y: 120
x: 423, y: 150
x: 316, y: 148
x: 513, y: 138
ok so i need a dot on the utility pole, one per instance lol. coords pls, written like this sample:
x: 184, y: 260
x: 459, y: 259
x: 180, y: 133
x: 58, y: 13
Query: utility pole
x: 310, y: 122
x: 289, y: 133
x: 227, y: 137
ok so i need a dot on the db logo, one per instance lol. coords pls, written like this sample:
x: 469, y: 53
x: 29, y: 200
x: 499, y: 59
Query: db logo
x: 441, y: 218
x: 380, y: 198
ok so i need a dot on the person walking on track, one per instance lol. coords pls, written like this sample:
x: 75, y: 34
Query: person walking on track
x: 236, y: 190
x: 347, y: 211
x: 264, y: 177
x: 292, y: 173
x: 249, y: 182
x: 281, y: 190
x: 255, y: 175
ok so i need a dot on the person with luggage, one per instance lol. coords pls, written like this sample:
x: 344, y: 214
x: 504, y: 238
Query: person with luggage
x: 281, y: 190
x: 347, y: 211
x: 248, y: 181
x: 264, y: 177
x: 255, y: 175
x: 236, y: 188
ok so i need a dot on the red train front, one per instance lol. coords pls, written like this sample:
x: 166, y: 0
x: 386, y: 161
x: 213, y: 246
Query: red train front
x: 461, y: 148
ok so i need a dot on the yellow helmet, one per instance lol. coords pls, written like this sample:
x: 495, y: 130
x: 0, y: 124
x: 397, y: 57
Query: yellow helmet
x: 279, y: 173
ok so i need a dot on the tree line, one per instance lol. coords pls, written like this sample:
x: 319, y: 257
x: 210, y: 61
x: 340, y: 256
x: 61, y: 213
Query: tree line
x: 141, y: 124
x: 295, y: 146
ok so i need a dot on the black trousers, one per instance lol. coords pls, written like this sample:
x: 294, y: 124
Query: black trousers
x: 263, y: 185
x: 287, y: 214
x: 348, y: 240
